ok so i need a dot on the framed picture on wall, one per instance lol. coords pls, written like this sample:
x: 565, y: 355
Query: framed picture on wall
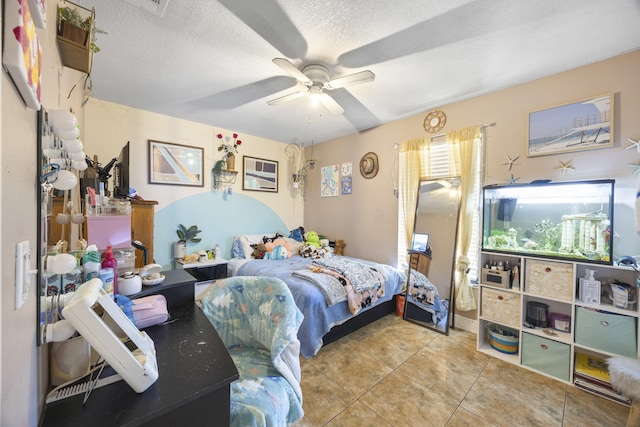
x: 581, y: 125
x: 259, y: 174
x: 174, y: 164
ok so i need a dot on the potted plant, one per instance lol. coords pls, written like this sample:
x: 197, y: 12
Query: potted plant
x: 77, y: 35
x: 185, y: 235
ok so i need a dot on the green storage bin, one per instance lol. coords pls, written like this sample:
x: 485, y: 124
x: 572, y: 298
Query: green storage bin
x: 547, y: 356
x: 613, y: 333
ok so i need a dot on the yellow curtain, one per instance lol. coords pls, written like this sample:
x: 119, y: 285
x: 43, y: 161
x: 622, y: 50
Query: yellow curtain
x: 409, y: 182
x: 463, y: 144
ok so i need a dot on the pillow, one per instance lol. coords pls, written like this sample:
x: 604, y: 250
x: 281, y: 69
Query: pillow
x: 295, y: 245
x: 246, y: 240
x: 236, y: 248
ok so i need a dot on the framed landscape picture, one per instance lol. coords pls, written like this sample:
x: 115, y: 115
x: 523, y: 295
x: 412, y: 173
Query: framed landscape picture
x: 581, y: 125
x: 259, y: 174
x: 174, y: 164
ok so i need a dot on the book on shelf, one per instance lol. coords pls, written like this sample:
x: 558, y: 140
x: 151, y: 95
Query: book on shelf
x: 601, y: 391
x: 593, y: 380
x: 592, y: 367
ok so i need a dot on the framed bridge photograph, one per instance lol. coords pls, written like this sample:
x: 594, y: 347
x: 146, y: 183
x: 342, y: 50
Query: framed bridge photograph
x: 581, y: 125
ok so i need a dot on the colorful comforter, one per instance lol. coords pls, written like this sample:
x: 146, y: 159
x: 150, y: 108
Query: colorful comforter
x: 319, y: 317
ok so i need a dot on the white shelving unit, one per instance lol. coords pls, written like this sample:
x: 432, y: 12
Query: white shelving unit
x: 604, y: 330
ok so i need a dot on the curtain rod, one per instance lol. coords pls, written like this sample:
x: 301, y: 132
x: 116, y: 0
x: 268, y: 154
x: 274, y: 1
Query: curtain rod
x: 485, y: 125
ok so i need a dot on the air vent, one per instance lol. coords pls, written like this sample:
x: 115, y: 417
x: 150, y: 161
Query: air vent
x: 157, y: 7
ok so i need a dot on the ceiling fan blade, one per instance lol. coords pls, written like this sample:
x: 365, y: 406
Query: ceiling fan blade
x: 331, y: 104
x: 285, y: 98
x: 351, y: 79
x: 291, y: 69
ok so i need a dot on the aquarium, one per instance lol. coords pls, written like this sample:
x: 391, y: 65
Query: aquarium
x: 568, y: 220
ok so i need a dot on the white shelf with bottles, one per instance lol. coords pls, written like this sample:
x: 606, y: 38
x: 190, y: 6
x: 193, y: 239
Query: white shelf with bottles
x: 553, y: 285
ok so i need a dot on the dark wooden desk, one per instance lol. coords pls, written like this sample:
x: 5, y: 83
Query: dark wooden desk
x: 195, y: 374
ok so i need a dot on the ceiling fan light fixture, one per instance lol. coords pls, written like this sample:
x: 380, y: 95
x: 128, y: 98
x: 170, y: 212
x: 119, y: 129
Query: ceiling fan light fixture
x: 315, y: 94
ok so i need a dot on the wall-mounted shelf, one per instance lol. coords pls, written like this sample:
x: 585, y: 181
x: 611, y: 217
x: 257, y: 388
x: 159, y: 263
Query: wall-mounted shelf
x: 74, y: 43
x: 224, y: 177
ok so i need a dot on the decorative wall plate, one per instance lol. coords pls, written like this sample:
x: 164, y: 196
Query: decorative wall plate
x: 435, y: 121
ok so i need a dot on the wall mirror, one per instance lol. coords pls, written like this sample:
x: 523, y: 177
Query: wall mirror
x: 430, y: 290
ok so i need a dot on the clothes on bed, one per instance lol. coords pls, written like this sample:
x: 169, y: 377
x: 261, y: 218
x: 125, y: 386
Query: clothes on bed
x: 362, y: 277
x: 356, y: 300
x: 331, y: 287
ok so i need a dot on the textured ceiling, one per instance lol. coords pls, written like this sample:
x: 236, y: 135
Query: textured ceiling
x: 211, y: 61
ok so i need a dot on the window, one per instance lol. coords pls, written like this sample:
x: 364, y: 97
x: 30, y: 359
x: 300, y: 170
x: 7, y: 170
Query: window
x: 437, y: 162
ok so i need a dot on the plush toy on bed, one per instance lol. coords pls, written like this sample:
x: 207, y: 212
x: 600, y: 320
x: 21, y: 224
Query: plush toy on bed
x: 268, y: 239
x: 312, y: 239
x: 339, y: 247
x: 279, y: 252
x: 259, y: 249
x: 270, y: 246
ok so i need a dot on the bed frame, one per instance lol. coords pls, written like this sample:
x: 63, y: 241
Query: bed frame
x: 362, y: 319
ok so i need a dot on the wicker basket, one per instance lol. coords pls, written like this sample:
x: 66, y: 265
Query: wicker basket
x: 503, y: 339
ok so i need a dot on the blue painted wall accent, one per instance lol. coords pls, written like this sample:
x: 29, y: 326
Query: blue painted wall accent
x: 219, y: 215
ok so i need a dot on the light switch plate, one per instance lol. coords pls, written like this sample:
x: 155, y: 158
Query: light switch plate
x: 23, y: 264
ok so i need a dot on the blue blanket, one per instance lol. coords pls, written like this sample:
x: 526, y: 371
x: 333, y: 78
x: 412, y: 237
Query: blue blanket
x: 319, y: 318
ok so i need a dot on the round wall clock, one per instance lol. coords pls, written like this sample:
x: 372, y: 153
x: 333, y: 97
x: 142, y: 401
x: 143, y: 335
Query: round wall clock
x: 435, y: 121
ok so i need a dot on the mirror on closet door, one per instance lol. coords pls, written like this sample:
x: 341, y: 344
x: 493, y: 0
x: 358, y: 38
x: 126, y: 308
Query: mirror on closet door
x: 429, y: 300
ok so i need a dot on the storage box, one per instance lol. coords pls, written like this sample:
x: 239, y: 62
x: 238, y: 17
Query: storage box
x: 109, y: 230
x: 547, y: 356
x: 613, y: 333
x: 497, y: 278
x: 500, y: 306
x: 550, y: 279
x: 560, y: 322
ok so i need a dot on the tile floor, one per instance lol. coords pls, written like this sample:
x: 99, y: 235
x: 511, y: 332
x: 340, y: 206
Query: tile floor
x: 396, y: 373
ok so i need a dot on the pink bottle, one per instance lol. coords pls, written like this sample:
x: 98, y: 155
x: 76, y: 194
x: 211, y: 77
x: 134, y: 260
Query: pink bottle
x: 110, y: 261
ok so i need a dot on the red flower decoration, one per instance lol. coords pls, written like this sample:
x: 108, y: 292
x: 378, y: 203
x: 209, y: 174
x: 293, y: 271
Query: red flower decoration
x: 229, y: 148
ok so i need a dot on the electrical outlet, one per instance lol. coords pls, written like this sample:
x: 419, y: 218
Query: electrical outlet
x: 23, y: 264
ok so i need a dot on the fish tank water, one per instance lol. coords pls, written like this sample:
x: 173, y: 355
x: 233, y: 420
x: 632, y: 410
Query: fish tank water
x: 567, y: 220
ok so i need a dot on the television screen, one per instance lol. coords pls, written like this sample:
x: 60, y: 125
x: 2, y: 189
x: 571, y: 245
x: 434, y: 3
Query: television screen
x: 420, y: 242
x: 121, y: 176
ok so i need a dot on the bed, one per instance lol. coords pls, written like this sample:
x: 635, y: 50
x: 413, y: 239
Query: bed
x: 327, y: 316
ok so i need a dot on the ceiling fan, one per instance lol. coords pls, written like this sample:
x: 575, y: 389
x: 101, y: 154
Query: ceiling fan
x: 315, y: 78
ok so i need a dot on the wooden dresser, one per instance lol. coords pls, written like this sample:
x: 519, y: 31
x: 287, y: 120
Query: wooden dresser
x: 420, y: 262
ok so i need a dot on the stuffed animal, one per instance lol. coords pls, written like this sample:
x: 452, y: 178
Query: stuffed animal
x: 313, y: 239
x: 279, y: 252
x: 259, y: 249
x: 267, y: 239
x: 339, y: 247
x: 279, y: 242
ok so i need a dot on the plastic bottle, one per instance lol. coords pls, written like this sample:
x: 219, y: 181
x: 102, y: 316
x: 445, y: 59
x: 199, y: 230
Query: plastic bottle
x: 111, y: 262
x: 91, y: 262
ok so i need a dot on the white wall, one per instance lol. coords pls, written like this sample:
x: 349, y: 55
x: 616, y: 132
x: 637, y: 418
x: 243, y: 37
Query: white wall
x: 24, y: 365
